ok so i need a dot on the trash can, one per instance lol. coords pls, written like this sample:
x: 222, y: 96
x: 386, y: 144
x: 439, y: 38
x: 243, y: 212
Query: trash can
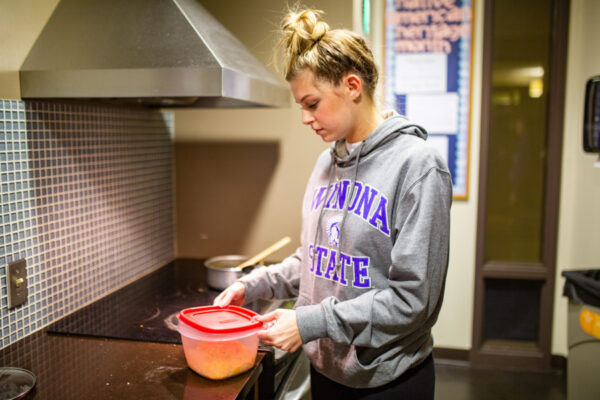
x: 582, y: 287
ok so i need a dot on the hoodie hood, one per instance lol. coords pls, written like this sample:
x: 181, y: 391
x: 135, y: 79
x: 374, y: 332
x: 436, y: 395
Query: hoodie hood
x: 393, y: 126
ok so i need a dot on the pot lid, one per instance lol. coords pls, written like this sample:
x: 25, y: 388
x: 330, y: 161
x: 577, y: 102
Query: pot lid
x: 214, y: 319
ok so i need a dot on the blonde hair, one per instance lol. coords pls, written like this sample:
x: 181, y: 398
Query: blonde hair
x: 307, y: 42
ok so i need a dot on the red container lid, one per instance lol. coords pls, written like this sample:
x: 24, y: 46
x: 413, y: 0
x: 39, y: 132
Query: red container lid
x: 214, y: 319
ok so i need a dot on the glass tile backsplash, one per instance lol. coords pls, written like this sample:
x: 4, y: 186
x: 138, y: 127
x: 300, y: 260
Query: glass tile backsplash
x: 86, y: 198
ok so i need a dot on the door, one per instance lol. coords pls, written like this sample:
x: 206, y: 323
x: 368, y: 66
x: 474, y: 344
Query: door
x: 521, y: 135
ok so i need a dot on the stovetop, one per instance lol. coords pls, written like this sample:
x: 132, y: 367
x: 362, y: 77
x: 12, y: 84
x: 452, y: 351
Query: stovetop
x: 147, y: 309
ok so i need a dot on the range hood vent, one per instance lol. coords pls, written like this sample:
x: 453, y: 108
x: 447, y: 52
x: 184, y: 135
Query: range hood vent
x: 158, y: 53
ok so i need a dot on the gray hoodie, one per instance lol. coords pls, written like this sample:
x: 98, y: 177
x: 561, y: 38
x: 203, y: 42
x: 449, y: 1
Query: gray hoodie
x: 370, y: 272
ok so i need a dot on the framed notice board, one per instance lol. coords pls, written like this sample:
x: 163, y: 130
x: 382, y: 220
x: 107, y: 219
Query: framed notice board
x: 428, y: 74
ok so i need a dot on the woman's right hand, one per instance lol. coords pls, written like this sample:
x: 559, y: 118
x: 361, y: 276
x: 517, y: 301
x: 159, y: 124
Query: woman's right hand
x: 234, y: 295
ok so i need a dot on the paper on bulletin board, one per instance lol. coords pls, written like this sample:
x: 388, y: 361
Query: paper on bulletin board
x: 443, y: 119
x: 420, y: 72
x: 428, y: 74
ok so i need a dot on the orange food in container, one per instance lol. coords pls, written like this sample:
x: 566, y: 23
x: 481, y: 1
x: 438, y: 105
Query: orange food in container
x: 219, y: 342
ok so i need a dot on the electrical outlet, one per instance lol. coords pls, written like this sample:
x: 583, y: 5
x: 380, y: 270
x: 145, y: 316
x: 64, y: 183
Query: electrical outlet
x: 17, y: 283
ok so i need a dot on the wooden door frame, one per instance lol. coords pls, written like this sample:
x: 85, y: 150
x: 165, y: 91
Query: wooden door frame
x: 537, y: 357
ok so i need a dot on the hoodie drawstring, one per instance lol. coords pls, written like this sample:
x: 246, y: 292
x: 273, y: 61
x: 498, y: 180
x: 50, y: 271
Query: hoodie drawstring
x: 318, y: 230
x: 346, y: 206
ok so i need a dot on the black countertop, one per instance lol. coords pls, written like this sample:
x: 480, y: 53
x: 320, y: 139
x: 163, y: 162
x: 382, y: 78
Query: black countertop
x: 124, y: 345
x: 75, y: 367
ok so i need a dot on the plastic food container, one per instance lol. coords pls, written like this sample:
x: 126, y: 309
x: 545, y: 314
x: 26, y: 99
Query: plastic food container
x: 219, y: 342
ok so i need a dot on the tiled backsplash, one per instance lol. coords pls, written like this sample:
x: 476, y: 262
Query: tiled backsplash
x: 86, y: 198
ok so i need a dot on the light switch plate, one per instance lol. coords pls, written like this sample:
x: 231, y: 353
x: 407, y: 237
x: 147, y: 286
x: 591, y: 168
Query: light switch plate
x: 17, y: 283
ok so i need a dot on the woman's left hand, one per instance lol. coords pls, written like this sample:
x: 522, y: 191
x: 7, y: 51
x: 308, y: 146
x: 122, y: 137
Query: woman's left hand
x: 283, y: 333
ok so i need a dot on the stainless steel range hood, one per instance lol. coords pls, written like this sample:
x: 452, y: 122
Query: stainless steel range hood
x: 162, y: 53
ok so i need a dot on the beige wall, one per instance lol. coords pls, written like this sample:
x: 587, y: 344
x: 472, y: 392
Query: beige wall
x: 278, y: 212
x: 20, y: 24
x: 579, y: 218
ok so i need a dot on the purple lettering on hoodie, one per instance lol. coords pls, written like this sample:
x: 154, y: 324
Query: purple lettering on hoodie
x: 357, y: 189
x: 330, y: 264
x: 366, y: 201
x: 381, y: 216
x: 361, y: 272
x: 332, y: 195
x: 319, y: 252
x: 318, y: 197
x: 344, y: 260
x: 342, y: 192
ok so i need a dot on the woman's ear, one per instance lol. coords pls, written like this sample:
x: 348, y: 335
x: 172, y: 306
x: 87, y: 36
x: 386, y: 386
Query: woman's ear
x: 353, y: 85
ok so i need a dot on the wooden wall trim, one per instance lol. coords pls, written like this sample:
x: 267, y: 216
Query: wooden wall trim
x: 486, y: 90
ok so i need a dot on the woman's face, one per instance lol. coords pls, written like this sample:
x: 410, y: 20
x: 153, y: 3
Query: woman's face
x: 326, y: 108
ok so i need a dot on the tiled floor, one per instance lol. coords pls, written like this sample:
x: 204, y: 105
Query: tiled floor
x: 458, y: 381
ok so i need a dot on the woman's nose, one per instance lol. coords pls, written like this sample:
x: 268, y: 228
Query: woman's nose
x: 307, y: 117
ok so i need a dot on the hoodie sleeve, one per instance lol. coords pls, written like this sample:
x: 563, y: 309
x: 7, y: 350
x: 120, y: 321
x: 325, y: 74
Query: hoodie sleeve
x: 278, y: 281
x: 419, y: 260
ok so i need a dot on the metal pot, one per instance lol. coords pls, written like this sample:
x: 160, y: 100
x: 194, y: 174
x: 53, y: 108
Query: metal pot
x: 222, y: 271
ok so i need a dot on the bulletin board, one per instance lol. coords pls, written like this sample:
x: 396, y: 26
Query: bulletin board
x: 428, y: 74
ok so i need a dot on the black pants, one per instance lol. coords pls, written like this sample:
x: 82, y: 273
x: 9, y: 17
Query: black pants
x: 417, y: 383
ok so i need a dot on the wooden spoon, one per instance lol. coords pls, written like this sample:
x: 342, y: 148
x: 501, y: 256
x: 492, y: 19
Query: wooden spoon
x: 265, y: 253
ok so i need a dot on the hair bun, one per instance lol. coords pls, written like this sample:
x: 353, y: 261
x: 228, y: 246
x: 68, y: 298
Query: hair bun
x: 302, y: 29
x: 307, y: 42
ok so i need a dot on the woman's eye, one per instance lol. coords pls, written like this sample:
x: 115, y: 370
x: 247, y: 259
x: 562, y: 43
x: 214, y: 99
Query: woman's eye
x: 313, y: 105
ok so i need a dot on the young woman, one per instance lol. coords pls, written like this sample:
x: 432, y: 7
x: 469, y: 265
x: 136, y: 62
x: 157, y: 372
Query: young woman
x: 369, y: 274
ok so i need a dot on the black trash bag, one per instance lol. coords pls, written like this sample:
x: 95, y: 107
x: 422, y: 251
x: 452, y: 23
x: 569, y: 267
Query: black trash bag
x: 583, y: 286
